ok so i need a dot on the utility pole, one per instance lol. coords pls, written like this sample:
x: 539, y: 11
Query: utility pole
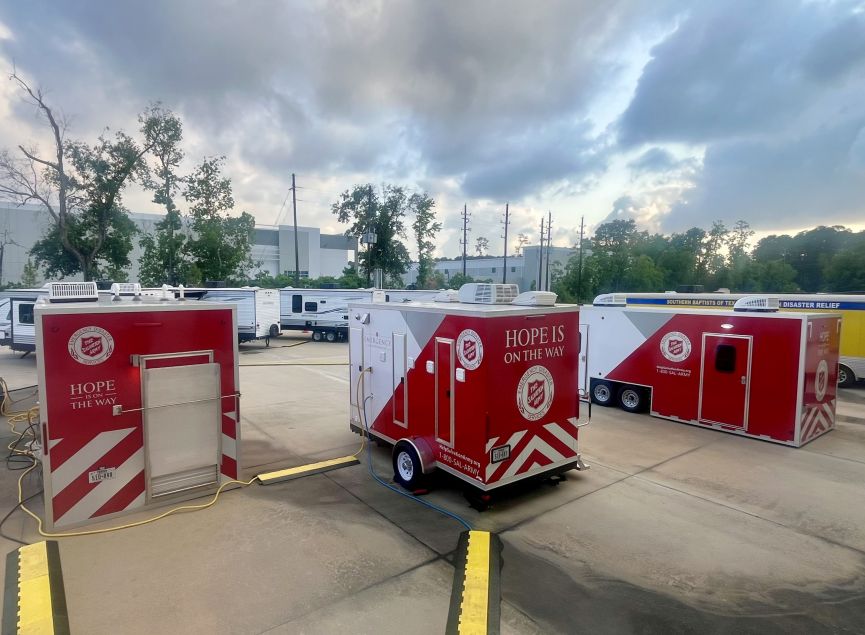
x: 541, y: 257
x: 465, y: 237
x: 580, y: 266
x: 368, y: 237
x: 549, y: 245
x: 505, y: 265
x: 296, y: 250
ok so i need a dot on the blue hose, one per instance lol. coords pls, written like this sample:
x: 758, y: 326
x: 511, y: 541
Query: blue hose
x: 400, y: 491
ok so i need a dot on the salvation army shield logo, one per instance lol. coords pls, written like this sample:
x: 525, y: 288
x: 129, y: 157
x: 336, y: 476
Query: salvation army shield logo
x: 91, y: 345
x: 535, y: 393
x: 821, y: 380
x: 676, y: 346
x: 470, y: 349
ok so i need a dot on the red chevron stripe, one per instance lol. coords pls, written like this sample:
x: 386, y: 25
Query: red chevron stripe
x: 121, y: 500
x: 80, y: 487
x: 570, y: 429
x: 229, y: 467
x: 555, y: 443
x: 515, y: 452
x: 535, y: 458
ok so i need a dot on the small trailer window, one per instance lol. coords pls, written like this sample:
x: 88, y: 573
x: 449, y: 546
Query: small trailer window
x: 311, y: 307
x: 25, y: 314
x: 296, y: 303
x: 725, y: 358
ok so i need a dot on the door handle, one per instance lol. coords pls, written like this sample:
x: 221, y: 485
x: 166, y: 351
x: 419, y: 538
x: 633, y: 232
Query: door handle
x: 744, y: 380
x: 448, y: 393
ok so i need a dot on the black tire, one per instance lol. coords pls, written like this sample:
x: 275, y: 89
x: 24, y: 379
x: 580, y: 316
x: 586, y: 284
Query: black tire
x: 316, y: 336
x: 632, y: 398
x: 407, y: 467
x: 330, y: 336
x: 846, y: 378
x: 274, y: 330
x: 602, y: 392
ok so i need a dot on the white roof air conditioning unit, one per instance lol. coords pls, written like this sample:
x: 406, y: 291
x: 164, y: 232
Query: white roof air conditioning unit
x: 759, y: 303
x: 447, y: 295
x: 611, y: 299
x: 488, y: 293
x: 72, y: 292
x: 536, y: 298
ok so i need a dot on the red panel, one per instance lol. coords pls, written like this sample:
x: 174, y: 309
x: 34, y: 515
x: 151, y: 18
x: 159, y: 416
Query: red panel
x: 725, y: 380
x: 399, y: 401
x: 122, y: 499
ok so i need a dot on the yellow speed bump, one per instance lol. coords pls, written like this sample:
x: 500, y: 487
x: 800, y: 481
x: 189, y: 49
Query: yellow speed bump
x: 476, y: 596
x: 269, y: 478
x: 34, y: 599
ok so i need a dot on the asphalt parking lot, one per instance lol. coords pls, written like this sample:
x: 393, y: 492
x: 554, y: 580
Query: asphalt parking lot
x: 672, y: 529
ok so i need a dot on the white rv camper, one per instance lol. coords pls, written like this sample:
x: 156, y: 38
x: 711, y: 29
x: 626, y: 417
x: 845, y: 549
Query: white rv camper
x: 257, y: 311
x: 22, y: 329
x: 324, y: 312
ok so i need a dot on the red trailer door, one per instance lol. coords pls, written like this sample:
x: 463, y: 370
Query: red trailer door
x: 444, y: 403
x: 725, y: 379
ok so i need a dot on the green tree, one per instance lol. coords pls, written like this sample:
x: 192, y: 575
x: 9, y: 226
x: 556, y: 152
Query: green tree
x: 220, y: 245
x: 29, y: 275
x: 482, y: 246
x: 382, y: 214
x: 80, y: 186
x: 425, y: 228
x: 457, y: 280
x: 164, y: 258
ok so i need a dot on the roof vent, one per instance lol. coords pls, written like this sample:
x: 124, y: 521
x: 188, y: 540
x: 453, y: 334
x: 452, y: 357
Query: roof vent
x: 487, y: 293
x: 758, y: 303
x: 72, y: 292
x: 536, y: 298
x: 447, y: 295
x: 611, y: 299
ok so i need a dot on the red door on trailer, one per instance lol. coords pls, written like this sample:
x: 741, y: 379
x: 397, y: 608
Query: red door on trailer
x: 724, y: 389
x: 444, y: 376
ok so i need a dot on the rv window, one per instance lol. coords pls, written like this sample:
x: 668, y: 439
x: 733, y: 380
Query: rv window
x: 725, y: 358
x: 312, y: 307
x: 9, y: 315
x: 296, y: 303
x: 25, y: 314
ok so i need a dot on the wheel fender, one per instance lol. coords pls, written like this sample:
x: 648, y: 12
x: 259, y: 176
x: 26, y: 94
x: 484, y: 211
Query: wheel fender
x: 424, y: 451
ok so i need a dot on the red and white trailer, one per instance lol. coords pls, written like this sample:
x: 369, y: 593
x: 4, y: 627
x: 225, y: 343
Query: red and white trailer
x: 138, y: 401
x: 484, y: 391
x: 751, y: 371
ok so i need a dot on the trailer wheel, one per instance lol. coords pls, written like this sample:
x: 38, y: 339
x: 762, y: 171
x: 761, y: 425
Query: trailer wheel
x: 602, y: 393
x: 407, y: 468
x: 632, y: 399
x: 274, y: 330
x: 316, y: 335
x: 846, y: 378
x: 330, y: 336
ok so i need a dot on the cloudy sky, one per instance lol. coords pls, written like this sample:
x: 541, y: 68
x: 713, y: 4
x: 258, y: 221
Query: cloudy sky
x: 674, y: 113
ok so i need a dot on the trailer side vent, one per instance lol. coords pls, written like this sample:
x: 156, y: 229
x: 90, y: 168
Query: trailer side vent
x: 759, y: 303
x: 536, y: 298
x: 72, y: 292
x: 487, y: 293
x: 610, y: 299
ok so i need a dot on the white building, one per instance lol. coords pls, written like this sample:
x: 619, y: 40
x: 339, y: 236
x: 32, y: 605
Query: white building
x: 319, y: 254
x: 521, y: 270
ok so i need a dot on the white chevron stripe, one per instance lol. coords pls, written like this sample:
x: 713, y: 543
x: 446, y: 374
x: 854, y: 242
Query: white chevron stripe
x: 490, y: 444
x: 229, y: 446
x: 537, y: 443
x: 556, y: 430
x: 138, y: 502
x: 515, y: 438
x: 102, y: 493
x: 76, y: 464
x: 52, y: 443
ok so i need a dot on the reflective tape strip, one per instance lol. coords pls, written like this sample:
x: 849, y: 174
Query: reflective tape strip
x: 35, y: 601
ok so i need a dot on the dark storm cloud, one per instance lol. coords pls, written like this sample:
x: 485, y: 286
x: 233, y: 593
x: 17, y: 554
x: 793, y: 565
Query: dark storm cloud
x: 344, y: 85
x: 654, y: 160
x: 816, y: 179
x: 775, y: 93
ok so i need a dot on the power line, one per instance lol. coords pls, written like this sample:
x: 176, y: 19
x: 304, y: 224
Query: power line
x: 464, y: 241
